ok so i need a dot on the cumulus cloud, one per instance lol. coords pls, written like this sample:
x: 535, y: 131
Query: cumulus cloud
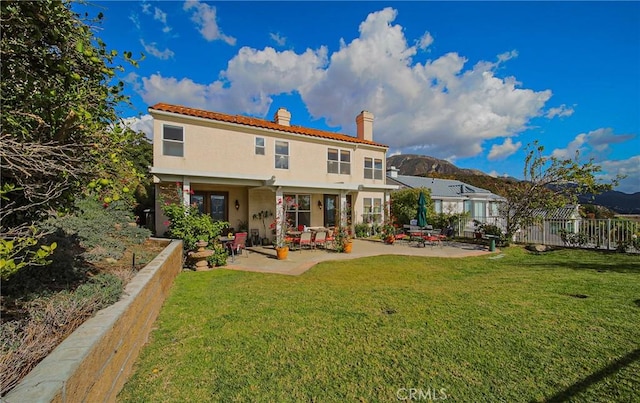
x: 278, y: 39
x: 595, y: 144
x: 629, y: 167
x: 501, y: 151
x: 425, y: 41
x: 560, y: 111
x: 442, y: 107
x: 152, y: 49
x: 204, y: 16
x: 143, y: 124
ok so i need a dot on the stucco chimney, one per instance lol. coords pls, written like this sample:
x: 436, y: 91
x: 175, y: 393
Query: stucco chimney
x: 282, y: 117
x: 364, y: 124
x: 392, y: 172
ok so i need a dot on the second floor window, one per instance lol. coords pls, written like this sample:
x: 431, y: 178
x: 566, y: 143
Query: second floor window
x: 282, y: 154
x: 338, y: 161
x: 372, y: 168
x: 173, y: 141
x: 260, y: 147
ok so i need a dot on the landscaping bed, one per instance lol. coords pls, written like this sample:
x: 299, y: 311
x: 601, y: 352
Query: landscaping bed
x: 42, y: 305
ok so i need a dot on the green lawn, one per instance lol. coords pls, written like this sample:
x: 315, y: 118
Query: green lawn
x: 559, y: 326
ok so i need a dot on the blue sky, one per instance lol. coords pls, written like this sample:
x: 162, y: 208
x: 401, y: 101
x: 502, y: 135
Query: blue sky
x: 470, y: 82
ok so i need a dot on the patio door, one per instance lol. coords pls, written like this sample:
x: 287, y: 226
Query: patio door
x: 330, y: 210
x: 216, y: 204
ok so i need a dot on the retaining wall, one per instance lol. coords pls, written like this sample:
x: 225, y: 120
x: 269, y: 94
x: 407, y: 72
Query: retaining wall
x: 94, y: 362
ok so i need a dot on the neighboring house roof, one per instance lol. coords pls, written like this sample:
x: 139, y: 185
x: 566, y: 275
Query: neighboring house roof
x: 443, y: 188
x: 261, y: 123
x: 568, y: 212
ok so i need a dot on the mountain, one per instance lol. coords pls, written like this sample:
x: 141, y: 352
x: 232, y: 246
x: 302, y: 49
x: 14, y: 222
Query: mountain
x: 623, y: 203
x: 422, y: 165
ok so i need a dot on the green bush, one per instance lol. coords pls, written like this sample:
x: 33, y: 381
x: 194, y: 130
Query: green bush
x: 219, y: 257
x: 190, y: 225
x: 102, y: 231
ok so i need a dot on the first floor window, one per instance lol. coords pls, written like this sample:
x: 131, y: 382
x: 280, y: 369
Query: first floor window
x: 173, y: 141
x: 437, y: 205
x: 372, y: 210
x: 298, y: 209
x: 282, y: 154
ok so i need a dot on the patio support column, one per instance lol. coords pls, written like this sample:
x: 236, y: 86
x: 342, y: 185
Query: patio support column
x: 387, y: 206
x: 279, y: 214
x: 343, y: 209
x: 186, y: 192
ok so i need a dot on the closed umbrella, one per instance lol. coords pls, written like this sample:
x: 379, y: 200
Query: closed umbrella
x: 422, y: 211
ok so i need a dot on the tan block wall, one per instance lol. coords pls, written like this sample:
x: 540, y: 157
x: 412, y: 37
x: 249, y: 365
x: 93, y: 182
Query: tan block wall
x: 94, y: 362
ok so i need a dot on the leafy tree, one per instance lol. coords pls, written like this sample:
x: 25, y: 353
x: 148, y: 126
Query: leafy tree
x: 404, y: 205
x: 58, y: 118
x: 549, y: 183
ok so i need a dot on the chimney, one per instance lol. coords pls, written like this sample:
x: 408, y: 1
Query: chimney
x: 282, y: 117
x: 392, y: 172
x: 364, y: 123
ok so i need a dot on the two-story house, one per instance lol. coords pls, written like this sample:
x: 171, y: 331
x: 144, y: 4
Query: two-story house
x: 234, y: 167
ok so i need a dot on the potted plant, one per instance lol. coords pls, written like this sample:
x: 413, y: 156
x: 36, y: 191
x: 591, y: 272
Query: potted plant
x: 388, y: 233
x: 343, y: 240
x: 262, y: 216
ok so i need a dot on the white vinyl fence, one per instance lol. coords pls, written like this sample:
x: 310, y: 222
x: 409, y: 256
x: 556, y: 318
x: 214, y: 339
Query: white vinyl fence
x: 608, y: 234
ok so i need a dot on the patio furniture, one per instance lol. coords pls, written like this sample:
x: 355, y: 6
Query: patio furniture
x: 304, y: 239
x: 320, y: 239
x: 238, y: 244
x: 330, y: 238
x: 254, y: 240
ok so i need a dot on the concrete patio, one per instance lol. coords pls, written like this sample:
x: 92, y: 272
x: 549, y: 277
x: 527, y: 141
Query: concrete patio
x: 263, y: 258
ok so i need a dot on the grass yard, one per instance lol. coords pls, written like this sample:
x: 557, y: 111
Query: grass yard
x: 558, y: 326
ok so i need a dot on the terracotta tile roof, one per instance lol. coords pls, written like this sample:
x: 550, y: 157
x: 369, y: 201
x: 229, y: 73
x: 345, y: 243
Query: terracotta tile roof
x: 255, y: 122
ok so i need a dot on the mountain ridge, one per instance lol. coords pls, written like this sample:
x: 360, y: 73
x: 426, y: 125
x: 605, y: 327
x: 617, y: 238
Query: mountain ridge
x: 423, y: 165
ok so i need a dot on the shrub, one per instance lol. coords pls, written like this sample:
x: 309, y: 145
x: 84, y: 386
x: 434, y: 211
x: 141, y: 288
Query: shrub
x: 101, y: 231
x: 190, y: 225
x: 219, y: 257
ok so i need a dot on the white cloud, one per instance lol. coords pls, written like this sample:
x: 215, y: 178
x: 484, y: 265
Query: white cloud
x: 152, y: 49
x: 595, y: 144
x: 135, y: 20
x: 440, y: 107
x: 278, y: 39
x: 562, y: 111
x: 629, y: 167
x: 425, y: 41
x: 143, y: 124
x: 501, y: 151
x: 205, y: 18
x: 157, y: 14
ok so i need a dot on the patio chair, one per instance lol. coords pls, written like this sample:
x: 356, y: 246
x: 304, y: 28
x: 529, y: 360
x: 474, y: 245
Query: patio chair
x: 304, y: 239
x: 320, y: 238
x: 239, y: 244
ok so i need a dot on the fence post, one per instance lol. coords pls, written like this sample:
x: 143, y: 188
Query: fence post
x: 608, y: 233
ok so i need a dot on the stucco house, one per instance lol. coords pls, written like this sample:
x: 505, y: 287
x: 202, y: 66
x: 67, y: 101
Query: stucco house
x: 234, y: 167
x: 454, y: 197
